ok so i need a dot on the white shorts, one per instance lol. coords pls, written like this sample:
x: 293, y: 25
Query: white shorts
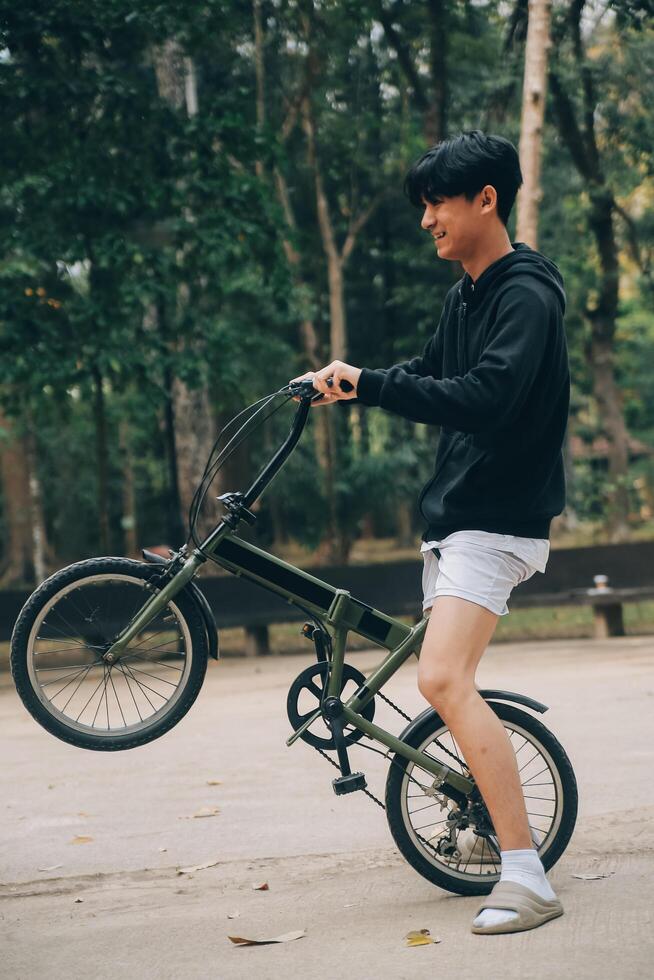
x: 480, y: 566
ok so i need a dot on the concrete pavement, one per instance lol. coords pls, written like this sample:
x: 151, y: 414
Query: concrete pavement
x: 113, y: 904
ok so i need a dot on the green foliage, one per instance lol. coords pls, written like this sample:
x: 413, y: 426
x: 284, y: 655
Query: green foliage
x: 142, y: 242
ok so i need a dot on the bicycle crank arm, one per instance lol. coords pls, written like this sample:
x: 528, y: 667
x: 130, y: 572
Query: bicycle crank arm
x: 302, y: 729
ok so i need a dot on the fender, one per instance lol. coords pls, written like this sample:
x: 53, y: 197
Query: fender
x: 201, y: 601
x: 487, y: 695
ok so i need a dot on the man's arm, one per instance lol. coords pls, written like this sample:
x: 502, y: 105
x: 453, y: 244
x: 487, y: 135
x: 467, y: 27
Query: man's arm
x: 427, y: 364
x: 492, y: 393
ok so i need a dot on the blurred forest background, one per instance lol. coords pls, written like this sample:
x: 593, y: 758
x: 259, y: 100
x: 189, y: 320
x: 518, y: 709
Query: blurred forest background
x: 200, y: 201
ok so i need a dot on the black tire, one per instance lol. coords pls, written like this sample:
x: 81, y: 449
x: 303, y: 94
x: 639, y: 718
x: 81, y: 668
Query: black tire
x: 106, y: 620
x: 436, y: 867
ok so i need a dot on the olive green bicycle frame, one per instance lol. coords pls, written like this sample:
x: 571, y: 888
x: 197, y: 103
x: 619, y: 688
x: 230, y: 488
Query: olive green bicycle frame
x: 337, y: 607
x: 341, y: 611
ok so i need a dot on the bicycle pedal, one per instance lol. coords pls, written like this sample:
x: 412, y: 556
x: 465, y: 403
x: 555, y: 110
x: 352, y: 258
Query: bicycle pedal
x: 349, y: 784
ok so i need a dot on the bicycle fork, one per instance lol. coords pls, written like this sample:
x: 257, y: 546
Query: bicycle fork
x: 153, y: 606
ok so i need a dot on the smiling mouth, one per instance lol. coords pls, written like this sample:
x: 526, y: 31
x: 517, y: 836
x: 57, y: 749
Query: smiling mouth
x: 438, y: 237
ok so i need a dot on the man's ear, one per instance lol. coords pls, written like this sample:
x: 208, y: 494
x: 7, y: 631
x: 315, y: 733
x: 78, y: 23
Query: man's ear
x: 488, y: 195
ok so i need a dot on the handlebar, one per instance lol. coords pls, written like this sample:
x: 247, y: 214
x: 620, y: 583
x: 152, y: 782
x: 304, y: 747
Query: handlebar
x: 307, y: 393
x: 304, y: 388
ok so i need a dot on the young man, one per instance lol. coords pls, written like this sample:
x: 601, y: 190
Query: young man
x: 495, y: 378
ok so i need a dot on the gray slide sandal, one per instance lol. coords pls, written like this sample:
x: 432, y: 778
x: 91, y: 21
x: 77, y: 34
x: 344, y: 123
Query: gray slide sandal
x: 531, y: 908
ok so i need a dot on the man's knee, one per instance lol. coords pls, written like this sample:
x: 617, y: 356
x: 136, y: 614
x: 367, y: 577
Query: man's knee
x: 437, y: 682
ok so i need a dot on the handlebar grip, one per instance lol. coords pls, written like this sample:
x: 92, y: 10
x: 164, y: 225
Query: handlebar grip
x: 345, y: 385
x: 305, y: 387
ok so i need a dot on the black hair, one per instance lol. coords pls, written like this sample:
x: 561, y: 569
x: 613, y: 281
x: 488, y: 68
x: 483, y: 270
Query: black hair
x: 464, y: 164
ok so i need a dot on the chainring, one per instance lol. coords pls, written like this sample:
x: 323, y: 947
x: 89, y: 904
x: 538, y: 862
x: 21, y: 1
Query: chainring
x: 313, y: 680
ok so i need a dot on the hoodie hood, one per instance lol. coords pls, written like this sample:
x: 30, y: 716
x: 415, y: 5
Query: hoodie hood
x: 524, y: 260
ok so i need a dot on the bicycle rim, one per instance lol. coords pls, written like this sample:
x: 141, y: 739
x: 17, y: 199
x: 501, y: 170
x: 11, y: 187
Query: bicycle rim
x: 426, y: 823
x: 84, y: 693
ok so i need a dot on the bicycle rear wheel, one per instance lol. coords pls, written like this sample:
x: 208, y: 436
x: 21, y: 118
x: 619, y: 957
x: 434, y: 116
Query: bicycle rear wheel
x: 440, y: 840
x: 56, y: 656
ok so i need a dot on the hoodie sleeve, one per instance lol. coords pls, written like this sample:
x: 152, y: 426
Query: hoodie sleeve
x: 492, y: 393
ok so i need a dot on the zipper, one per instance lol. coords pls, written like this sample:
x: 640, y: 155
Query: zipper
x: 462, y: 359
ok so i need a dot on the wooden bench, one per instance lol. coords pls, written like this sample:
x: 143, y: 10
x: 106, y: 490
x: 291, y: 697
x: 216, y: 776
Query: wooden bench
x: 602, y: 576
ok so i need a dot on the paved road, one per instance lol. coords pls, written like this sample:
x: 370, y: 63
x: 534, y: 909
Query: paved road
x: 115, y: 907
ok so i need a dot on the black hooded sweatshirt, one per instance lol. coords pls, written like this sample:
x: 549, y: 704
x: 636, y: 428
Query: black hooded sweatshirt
x: 495, y: 377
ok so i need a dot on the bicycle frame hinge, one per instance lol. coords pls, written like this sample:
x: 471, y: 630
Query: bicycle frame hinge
x: 338, y: 606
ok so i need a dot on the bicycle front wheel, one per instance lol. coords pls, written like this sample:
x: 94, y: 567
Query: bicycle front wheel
x: 450, y: 845
x: 59, y: 639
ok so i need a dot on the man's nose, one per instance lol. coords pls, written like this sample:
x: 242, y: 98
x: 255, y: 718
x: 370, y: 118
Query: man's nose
x: 427, y: 219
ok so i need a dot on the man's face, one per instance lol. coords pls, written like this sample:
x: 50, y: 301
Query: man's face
x: 454, y: 224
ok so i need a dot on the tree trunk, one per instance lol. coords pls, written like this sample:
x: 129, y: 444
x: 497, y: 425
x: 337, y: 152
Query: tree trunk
x: 40, y: 548
x: 582, y: 145
x: 192, y: 412
x: 129, y: 493
x: 18, y: 562
x: 194, y: 437
x: 534, y: 94
x: 99, y: 415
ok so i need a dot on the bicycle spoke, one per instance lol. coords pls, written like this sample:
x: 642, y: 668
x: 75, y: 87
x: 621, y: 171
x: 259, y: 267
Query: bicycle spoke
x: 130, y: 690
x: 160, y: 663
x: 142, y: 687
x: 116, y: 697
x: 483, y: 855
x: 59, y: 679
x: 156, y: 677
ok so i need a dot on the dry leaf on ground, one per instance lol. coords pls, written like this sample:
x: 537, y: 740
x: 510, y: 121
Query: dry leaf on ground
x: 287, y: 937
x: 261, y: 888
x: 594, y: 876
x: 214, y: 782
x: 80, y: 839
x: 207, y: 811
x: 233, y: 915
x: 197, y: 867
x: 52, y: 867
x: 420, y: 937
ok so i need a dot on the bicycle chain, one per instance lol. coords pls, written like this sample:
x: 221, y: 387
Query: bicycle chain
x: 372, y: 795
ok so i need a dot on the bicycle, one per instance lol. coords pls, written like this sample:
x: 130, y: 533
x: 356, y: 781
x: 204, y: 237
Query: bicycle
x: 110, y: 653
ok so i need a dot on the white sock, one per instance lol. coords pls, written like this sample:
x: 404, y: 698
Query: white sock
x: 526, y: 868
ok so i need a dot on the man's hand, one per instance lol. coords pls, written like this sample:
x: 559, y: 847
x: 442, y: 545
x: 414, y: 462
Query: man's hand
x: 338, y: 371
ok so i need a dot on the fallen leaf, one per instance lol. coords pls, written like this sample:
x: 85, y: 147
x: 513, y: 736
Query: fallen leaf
x: 214, y: 782
x: 78, y: 900
x: 207, y: 811
x: 420, y: 937
x: 261, y: 888
x: 594, y: 877
x: 80, y: 839
x: 233, y: 915
x: 162, y: 849
x: 287, y: 937
x: 352, y: 905
x: 197, y: 867
x: 52, y: 867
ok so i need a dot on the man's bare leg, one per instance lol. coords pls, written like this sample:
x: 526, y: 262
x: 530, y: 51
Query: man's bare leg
x: 456, y: 637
